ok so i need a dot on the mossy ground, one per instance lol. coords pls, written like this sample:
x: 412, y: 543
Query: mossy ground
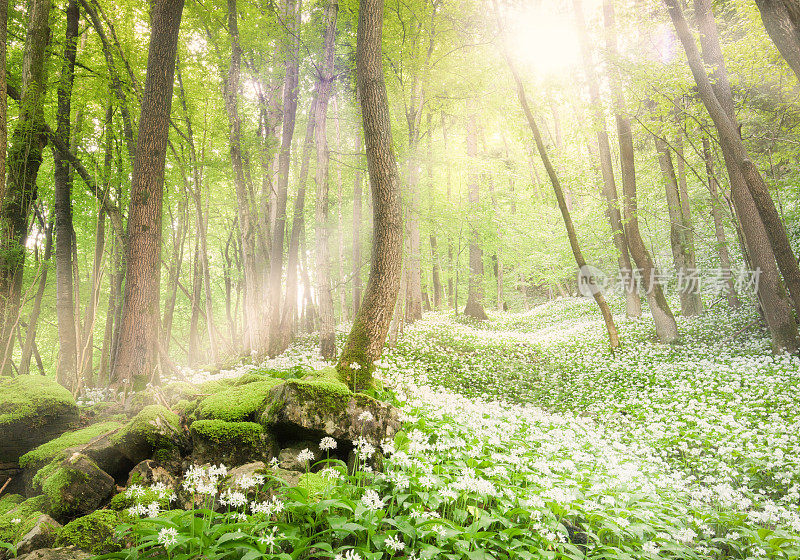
x: 21, y: 518
x: 228, y: 433
x: 40, y: 456
x: 154, y: 424
x: 93, y: 533
x: 237, y: 403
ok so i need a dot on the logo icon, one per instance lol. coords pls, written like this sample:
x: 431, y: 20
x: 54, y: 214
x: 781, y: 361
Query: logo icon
x: 591, y: 280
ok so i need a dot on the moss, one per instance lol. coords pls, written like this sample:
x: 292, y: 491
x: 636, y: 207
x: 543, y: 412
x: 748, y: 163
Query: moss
x: 9, y: 501
x: 27, y: 512
x: 149, y: 426
x: 40, y: 456
x: 58, y: 480
x: 93, y: 533
x: 228, y: 433
x: 327, y: 395
x: 237, y: 403
x: 32, y: 398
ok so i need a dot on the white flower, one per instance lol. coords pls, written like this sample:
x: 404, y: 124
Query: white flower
x: 153, y: 509
x: 329, y: 473
x: 372, y: 500
x: 651, y: 547
x: 168, y: 536
x: 394, y: 543
x: 327, y: 444
x: 305, y: 455
x: 16, y: 521
x: 349, y: 555
x: 366, y: 416
x: 355, y: 366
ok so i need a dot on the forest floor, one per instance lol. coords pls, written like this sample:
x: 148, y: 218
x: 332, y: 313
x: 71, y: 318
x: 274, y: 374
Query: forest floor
x: 525, y: 437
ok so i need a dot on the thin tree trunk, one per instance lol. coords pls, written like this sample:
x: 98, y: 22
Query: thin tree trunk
x: 474, y: 306
x: 342, y: 270
x: 290, y: 91
x: 719, y: 228
x: 3, y: 101
x: 664, y: 320
x: 370, y: 326
x: 327, y: 332
x: 562, y: 205
x: 436, y: 274
x: 136, y: 355
x: 86, y: 354
x: 33, y: 320
x: 633, y: 303
x: 67, y: 369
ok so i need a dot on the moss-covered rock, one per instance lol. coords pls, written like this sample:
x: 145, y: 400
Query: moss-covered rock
x: 60, y: 553
x: 44, y: 533
x: 237, y: 403
x: 93, y: 533
x: 154, y: 427
x: 37, y: 458
x: 74, y: 487
x: 230, y: 443
x: 9, y: 501
x: 20, y: 519
x: 33, y: 409
x: 299, y: 409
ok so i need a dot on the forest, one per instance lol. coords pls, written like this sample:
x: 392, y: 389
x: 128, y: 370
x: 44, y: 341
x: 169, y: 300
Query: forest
x: 412, y: 279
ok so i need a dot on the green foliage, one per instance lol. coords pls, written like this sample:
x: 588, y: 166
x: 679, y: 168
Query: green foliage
x: 17, y: 521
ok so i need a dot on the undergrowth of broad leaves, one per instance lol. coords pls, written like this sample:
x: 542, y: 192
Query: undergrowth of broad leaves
x: 524, y: 437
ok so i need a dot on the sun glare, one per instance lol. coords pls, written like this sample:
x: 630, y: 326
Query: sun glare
x: 542, y: 38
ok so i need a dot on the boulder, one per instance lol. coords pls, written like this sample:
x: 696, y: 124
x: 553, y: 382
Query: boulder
x: 239, y: 402
x: 149, y: 472
x: 288, y: 457
x: 21, y: 517
x: 33, y: 409
x: 63, y: 553
x: 44, y: 533
x: 302, y: 409
x: 74, y: 487
x: 230, y: 443
x: 93, y: 533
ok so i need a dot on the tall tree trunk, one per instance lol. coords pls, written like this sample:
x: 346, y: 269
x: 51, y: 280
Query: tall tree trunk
x: 436, y: 275
x: 197, y: 288
x: 764, y: 234
x: 327, y: 331
x: 474, y: 306
x: 719, y: 228
x: 3, y: 101
x: 357, y: 184
x: 342, y: 271
x: 290, y: 90
x: 137, y: 351
x: 253, y: 333
x: 23, y: 160
x: 682, y: 256
x: 371, y: 324
x: 86, y: 350
x: 451, y: 294
x: 608, y: 319
x: 633, y: 303
x: 67, y: 369
x: 664, y: 320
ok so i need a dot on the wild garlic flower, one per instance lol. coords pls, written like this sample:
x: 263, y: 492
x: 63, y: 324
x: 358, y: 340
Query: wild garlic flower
x: 372, y: 500
x: 394, y: 543
x: 305, y: 455
x: 327, y: 443
x: 168, y: 536
x: 366, y: 416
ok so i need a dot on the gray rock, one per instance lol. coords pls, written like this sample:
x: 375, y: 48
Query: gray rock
x: 42, y: 535
x: 149, y: 472
x: 287, y: 458
x: 62, y: 553
x: 319, y: 407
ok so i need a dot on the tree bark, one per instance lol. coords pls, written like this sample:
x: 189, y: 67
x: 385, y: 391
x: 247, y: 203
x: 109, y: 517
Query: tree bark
x: 136, y: 354
x: 33, y: 319
x: 357, y: 185
x: 633, y: 303
x: 23, y: 160
x: 763, y: 231
x: 371, y: 324
x: 474, y: 306
x: 719, y: 228
x: 327, y: 331
x: 67, y: 369
x: 3, y: 101
x: 436, y: 274
x: 290, y: 90
x: 782, y: 21
x: 664, y: 320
